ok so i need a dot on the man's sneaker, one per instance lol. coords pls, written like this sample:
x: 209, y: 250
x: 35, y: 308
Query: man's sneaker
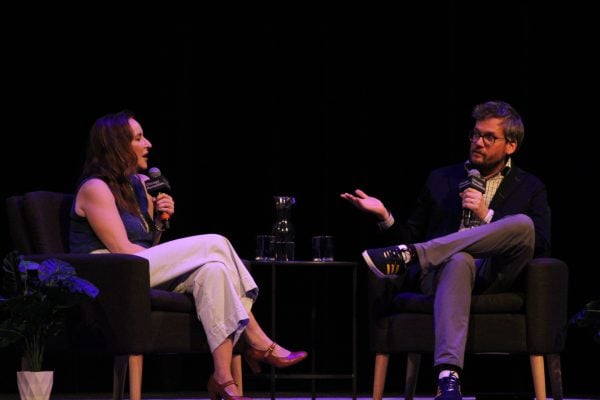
x: 448, y: 388
x: 387, y: 262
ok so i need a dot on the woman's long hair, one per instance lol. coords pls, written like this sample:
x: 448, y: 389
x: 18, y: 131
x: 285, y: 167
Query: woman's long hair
x: 111, y: 158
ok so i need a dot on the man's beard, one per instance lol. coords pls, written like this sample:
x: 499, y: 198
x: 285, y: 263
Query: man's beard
x: 486, y: 169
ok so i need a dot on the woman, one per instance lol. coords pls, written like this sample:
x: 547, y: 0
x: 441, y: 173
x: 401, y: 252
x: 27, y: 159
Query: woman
x: 113, y: 212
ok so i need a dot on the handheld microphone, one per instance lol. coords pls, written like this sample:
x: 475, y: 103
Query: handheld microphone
x: 155, y: 185
x: 476, y: 182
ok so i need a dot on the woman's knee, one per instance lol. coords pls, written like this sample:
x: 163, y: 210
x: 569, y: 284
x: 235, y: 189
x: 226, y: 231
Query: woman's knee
x: 214, y: 238
x: 213, y: 271
x: 213, y: 243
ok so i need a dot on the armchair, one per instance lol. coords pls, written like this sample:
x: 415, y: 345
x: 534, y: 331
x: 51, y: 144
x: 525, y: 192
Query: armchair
x: 127, y: 319
x: 531, y: 320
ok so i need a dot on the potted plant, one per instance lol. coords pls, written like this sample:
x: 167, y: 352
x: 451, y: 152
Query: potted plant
x: 34, y: 300
x: 589, y: 317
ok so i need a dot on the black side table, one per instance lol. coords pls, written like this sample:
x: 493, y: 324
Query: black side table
x: 313, y: 268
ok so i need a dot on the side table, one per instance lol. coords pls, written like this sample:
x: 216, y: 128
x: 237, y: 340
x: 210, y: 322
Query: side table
x: 277, y: 269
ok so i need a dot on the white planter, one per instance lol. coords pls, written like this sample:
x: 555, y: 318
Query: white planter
x: 35, y: 385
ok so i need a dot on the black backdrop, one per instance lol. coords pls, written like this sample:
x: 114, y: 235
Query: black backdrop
x: 244, y: 104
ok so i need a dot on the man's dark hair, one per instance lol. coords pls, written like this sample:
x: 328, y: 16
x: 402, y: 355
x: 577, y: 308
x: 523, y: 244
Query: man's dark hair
x: 512, y: 123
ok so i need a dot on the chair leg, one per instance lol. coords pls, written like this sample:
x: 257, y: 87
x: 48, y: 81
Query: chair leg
x: 119, y: 371
x: 381, y: 364
x: 555, y: 374
x: 136, y: 363
x: 236, y: 372
x: 413, y: 363
x: 537, y: 371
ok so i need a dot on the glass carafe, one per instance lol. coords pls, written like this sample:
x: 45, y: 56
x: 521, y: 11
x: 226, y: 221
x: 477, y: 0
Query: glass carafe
x: 283, y: 230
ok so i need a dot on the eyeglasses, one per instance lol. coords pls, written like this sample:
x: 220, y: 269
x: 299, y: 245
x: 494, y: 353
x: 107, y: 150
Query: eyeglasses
x: 488, y: 138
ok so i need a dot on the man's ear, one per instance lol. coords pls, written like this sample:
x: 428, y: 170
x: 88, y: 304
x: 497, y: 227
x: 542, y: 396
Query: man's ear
x: 511, y: 147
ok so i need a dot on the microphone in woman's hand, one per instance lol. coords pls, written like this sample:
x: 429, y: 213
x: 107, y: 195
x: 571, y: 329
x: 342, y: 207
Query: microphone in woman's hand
x: 158, y: 184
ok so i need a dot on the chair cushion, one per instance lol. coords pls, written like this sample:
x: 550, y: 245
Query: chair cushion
x: 47, y: 216
x: 480, y: 304
x: 164, y: 300
x: 17, y: 225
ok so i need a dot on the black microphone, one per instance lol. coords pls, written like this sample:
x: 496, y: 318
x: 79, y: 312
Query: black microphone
x: 476, y: 182
x: 158, y: 184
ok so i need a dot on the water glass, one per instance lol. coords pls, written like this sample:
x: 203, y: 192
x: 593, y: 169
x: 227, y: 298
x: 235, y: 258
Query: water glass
x: 265, y: 248
x: 322, y: 248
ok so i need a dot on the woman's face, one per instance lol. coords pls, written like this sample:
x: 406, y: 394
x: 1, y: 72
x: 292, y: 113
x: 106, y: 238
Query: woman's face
x: 139, y: 144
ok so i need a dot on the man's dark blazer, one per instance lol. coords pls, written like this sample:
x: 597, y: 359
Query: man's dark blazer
x: 438, y: 209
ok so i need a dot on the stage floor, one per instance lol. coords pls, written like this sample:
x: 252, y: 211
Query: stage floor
x: 191, y: 396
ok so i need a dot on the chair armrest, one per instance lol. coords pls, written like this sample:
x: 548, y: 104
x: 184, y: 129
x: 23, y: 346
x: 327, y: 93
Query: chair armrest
x: 118, y: 320
x: 546, y: 293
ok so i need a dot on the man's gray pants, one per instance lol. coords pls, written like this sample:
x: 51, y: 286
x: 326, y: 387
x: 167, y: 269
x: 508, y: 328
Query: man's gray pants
x: 484, y: 259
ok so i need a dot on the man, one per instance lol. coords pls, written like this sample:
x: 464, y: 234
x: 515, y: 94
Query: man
x: 475, y: 226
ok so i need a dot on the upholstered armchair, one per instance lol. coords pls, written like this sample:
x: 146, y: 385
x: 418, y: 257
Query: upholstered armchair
x: 127, y: 319
x: 531, y: 320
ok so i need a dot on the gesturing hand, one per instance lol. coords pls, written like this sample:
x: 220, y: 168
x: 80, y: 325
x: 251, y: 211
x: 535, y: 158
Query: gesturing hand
x: 366, y: 203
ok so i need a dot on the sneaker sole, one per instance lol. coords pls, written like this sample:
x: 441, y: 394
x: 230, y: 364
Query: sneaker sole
x: 373, y: 268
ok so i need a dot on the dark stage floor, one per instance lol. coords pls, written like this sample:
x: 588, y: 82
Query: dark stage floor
x: 203, y: 396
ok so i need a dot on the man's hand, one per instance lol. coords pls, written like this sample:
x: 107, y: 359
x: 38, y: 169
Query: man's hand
x: 366, y: 203
x: 473, y: 200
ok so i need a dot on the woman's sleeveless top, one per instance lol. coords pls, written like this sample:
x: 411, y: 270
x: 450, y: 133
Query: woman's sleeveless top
x: 140, y: 230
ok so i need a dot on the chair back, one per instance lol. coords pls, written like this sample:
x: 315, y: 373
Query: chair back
x: 39, y: 221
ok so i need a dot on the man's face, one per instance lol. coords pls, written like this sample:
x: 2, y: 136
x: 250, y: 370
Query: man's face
x: 489, y: 146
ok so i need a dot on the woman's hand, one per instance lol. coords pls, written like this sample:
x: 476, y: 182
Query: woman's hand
x: 164, y: 203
